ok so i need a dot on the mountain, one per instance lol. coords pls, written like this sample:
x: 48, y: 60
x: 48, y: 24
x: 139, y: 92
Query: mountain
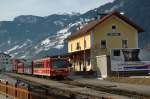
x: 29, y: 36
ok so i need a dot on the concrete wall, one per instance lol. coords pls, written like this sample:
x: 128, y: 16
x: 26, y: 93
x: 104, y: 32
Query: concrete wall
x: 103, y: 66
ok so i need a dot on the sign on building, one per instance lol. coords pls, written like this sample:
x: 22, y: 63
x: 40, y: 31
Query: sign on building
x: 130, y: 59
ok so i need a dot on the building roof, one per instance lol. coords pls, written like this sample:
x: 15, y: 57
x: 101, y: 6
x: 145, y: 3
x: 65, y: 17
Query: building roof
x: 94, y: 23
x: 5, y: 54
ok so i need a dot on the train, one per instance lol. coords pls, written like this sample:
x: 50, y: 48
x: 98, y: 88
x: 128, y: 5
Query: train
x: 46, y: 67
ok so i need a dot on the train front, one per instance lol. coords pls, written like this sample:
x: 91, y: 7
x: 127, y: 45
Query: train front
x: 60, y: 67
x: 51, y: 67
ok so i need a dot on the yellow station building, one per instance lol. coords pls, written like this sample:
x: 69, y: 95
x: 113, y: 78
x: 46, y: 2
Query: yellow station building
x: 100, y: 36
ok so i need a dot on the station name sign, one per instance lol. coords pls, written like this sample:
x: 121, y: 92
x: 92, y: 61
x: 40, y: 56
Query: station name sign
x: 114, y: 34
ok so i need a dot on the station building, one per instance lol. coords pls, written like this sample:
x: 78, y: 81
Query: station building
x: 98, y: 37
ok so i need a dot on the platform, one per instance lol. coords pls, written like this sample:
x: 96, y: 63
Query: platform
x: 140, y: 90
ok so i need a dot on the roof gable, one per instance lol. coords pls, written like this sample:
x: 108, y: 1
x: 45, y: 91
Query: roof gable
x: 94, y: 23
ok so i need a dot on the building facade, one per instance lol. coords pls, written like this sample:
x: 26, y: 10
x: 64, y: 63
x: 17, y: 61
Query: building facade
x: 5, y: 62
x: 112, y: 31
x: 79, y: 49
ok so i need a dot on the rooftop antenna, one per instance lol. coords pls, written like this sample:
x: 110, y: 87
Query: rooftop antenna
x: 100, y: 15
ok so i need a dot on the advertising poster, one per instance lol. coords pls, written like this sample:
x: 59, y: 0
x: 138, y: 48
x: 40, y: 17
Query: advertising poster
x: 130, y: 59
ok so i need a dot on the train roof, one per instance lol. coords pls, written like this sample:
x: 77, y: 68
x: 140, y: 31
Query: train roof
x: 48, y: 58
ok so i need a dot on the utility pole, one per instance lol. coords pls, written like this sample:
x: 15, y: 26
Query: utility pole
x: 84, y: 67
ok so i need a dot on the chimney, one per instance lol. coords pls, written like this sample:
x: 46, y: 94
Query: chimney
x: 100, y: 15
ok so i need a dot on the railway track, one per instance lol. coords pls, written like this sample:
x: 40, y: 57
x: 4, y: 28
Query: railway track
x: 72, y: 91
x: 108, y: 89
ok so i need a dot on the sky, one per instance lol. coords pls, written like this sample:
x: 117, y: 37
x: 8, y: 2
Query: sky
x: 9, y: 9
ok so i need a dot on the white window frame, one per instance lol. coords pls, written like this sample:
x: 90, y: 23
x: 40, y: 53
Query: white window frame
x: 123, y: 45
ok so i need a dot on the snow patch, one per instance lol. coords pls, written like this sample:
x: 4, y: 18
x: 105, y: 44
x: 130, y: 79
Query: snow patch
x: 59, y: 23
x: 24, y: 56
x: 54, y: 41
x: 23, y: 45
x: 63, y: 31
x: 12, y: 49
x: 45, y: 42
x: 59, y: 46
x: 14, y: 54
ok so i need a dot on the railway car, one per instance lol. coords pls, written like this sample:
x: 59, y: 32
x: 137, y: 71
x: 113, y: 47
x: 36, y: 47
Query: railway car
x: 51, y: 67
x: 14, y: 65
x: 28, y: 68
x: 20, y: 68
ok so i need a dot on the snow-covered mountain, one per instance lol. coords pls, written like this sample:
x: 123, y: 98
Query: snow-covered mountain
x: 29, y: 36
x: 32, y: 36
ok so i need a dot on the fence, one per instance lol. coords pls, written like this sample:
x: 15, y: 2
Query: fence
x: 21, y: 93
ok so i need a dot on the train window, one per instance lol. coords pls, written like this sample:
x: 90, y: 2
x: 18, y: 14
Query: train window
x: 59, y: 64
x: 38, y: 65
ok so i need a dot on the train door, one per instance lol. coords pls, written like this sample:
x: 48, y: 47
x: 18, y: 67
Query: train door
x: 46, y: 67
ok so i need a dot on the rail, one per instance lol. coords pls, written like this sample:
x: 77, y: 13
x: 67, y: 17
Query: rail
x: 66, y: 90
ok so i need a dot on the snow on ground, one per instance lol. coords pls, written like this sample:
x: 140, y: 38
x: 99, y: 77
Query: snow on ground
x: 53, y: 41
x: 75, y: 24
x: 14, y: 54
x: 63, y: 31
x: 20, y: 46
x: 22, y: 57
x: 23, y: 45
x: 12, y: 49
x: 59, y: 23
x: 38, y: 51
x: 45, y: 42
x: 61, y: 36
x: 59, y: 46
x: 56, y: 41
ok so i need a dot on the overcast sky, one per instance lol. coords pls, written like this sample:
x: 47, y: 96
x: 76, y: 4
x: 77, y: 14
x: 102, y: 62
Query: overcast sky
x: 12, y: 8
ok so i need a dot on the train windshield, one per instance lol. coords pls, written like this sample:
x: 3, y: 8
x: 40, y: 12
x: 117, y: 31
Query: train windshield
x: 59, y: 64
x: 39, y: 65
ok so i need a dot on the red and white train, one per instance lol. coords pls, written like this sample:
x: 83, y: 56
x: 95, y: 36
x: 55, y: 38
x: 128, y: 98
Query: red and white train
x: 51, y: 67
